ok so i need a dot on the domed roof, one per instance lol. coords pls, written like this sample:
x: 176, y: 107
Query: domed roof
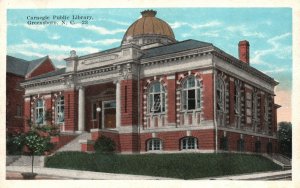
x: 149, y: 26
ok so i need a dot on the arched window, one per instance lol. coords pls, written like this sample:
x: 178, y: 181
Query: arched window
x: 188, y: 143
x: 154, y: 144
x: 60, y: 110
x: 220, y: 94
x: 39, y: 112
x: 237, y: 97
x: 156, y: 98
x: 191, y: 94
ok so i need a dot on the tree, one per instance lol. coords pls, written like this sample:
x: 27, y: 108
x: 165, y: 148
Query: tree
x: 285, y: 138
x: 34, y: 144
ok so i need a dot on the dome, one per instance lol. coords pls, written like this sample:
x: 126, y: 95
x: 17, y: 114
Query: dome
x: 149, y: 29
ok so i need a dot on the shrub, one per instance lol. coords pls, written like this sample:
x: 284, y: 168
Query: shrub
x: 105, y: 144
x: 14, y: 144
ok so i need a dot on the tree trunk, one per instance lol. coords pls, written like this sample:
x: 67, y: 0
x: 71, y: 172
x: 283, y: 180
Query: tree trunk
x: 32, y: 157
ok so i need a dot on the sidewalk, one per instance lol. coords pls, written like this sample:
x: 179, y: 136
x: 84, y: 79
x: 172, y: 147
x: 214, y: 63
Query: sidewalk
x: 13, y: 172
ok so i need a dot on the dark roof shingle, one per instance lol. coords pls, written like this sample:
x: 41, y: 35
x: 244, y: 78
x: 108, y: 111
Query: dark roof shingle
x: 174, y: 48
x: 16, y: 66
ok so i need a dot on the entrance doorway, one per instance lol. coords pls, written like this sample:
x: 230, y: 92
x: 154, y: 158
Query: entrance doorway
x: 109, y: 114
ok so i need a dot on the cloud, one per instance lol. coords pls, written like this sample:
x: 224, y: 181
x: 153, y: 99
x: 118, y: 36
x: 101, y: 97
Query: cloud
x: 60, y: 66
x: 54, y: 36
x: 244, y: 31
x: 35, y: 27
x: 99, y: 42
x: 30, y: 48
x: 277, y: 48
x: 115, y: 22
x: 32, y: 27
x: 213, y: 23
x: 276, y: 70
x: 97, y: 29
x: 214, y: 33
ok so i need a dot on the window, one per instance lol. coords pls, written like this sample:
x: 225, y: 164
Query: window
x: 19, y: 111
x: 220, y: 94
x: 257, y: 146
x: 224, y: 143
x: 156, y: 98
x: 191, y: 94
x: 39, y: 112
x: 266, y: 108
x: 60, y: 110
x: 254, y: 105
x: 94, y: 111
x: 237, y: 98
x: 188, y: 143
x: 154, y: 144
x: 240, y: 145
x: 269, y: 147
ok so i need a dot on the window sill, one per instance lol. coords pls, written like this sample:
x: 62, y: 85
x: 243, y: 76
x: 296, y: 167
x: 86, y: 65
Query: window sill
x: 190, y: 111
x: 156, y: 114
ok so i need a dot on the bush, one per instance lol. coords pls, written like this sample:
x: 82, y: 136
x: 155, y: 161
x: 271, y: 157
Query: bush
x: 105, y: 144
x: 14, y: 144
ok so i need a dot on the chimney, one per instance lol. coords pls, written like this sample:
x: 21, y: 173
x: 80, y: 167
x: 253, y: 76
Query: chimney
x: 244, y: 51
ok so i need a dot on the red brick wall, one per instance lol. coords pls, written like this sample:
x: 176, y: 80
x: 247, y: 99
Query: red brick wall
x: 171, y: 140
x: 45, y: 67
x: 249, y: 142
x: 171, y: 101
x: 14, y: 98
x: 27, y: 113
x: 71, y: 110
x: 231, y: 103
x: 129, y: 102
x: 208, y: 99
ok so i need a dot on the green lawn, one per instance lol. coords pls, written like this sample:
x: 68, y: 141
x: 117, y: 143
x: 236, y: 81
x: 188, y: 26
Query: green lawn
x: 183, y: 166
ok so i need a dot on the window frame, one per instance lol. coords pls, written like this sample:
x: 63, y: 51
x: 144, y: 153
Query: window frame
x: 59, y: 104
x: 220, y: 93
x: 185, y: 143
x: 37, y: 110
x: 152, y: 95
x: 152, y: 144
x: 185, y: 94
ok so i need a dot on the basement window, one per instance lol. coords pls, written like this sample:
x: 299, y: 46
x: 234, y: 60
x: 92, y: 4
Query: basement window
x: 188, y: 143
x: 154, y: 144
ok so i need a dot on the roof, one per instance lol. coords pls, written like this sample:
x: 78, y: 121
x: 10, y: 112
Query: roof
x: 147, y: 25
x: 50, y: 74
x: 174, y: 48
x: 34, y: 63
x: 16, y: 65
x: 22, y: 67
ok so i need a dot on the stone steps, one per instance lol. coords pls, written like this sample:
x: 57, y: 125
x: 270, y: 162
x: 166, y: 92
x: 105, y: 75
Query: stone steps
x: 24, y: 160
x: 74, y: 145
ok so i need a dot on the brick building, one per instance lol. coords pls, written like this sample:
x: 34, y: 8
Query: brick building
x: 16, y: 72
x: 156, y: 94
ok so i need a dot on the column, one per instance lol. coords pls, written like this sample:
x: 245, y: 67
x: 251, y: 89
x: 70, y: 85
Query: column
x: 81, y: 109
x: 118, y: 104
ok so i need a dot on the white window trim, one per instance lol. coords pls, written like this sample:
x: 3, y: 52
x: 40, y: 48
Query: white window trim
x: 151, y: 141
x: 196, y: 88
x: 195, y: 140
x: 57, y: 106
x: 37, y: 109
x: 162, y: 94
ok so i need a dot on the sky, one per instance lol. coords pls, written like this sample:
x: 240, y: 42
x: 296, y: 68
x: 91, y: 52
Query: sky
x: 269, y: 31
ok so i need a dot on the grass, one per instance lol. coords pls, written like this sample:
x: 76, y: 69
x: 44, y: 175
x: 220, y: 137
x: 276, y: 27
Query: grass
x: 183, y: 166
